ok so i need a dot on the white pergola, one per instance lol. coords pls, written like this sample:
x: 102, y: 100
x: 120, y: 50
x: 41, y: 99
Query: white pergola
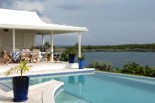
x: 30, y: 21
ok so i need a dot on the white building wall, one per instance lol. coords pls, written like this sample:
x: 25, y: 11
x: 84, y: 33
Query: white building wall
x: 0, y: 40
x: 19, y: 38
x: 6, y: 38
x: 23, y: 40
x: 28, y: 39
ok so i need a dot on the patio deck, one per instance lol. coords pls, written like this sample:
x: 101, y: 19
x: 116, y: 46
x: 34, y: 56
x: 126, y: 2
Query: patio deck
x: 42, y: 66
x: 52, y: 68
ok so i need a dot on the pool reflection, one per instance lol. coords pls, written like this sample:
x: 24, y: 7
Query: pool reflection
x: 81, y: 79
x: 71, y: 80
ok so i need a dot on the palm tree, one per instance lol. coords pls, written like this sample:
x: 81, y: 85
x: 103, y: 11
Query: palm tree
x: 22, y: 67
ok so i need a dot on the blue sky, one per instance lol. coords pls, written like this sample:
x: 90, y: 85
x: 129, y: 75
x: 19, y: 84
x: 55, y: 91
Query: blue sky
x: 110, y: 22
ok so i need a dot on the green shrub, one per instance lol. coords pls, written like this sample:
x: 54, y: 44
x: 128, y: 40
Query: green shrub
x: 136, y: 69
x: 64, y: 56
x: 133, y: 68
x: 101, y: 65
x: 149, y: 71
x: 129, y: 68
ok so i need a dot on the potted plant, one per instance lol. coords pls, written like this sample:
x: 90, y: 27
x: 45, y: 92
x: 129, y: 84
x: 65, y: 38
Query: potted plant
x: 64, y: 56
x: 49, y: 56
x: 47, y: 46
x: 81, y: 62
x: 72, y: 53
x: 20, y: 83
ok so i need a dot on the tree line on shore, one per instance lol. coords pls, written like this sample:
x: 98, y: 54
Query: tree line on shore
x: 125, y: 47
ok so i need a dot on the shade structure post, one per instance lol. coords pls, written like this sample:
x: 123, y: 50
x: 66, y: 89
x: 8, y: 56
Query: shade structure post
x: 34, y: 44
x: 79, y: 45
x: 13, y: 39
x: 43, y: 40
x: 51, y: 42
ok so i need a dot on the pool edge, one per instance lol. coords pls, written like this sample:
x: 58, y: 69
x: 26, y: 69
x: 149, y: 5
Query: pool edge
x: 50, y: 91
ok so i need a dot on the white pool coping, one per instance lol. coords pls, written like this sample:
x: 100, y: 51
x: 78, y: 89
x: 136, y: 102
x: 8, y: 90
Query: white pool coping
x: 50, y: 91
x: 55, y: 73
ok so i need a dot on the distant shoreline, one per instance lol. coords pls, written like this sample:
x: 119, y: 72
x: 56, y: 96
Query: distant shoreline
x: 115, y: 48
x: 125, y: 47
x: 120, y: 50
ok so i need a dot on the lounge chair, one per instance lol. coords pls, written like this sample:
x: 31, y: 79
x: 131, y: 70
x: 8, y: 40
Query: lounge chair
x: 44, y: 56
x: 16, y: 56
x: 5, y: 58
x: 57, y: 57
x: 35, y: 55
x: 25, y: 56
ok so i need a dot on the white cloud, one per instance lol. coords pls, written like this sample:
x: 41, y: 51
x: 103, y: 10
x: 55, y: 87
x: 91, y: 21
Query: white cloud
x: 29, y: 6
x: 46, y: 19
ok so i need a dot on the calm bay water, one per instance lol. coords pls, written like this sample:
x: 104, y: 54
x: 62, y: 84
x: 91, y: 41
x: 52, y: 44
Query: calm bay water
x: 118, y: 59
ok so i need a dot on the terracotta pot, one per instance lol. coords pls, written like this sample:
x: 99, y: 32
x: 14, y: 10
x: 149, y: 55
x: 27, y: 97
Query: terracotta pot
x: 49, y: 58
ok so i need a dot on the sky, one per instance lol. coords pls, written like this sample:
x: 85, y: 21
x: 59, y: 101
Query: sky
x: 110, y: 22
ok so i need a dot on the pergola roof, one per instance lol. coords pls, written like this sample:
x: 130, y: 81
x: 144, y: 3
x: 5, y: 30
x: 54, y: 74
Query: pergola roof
x: 25, y: 20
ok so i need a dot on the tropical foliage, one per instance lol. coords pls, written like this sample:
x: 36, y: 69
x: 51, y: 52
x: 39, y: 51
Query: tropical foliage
x: 136, y: 69
x: 21, y: 68
x: 82, y: 57
x: 64, y: 56
x: 101, y: 65
x: 129, y: 68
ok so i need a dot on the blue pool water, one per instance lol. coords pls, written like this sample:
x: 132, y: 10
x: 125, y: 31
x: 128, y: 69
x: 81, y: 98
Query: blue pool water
x: 101, y: 87
x: 108, y: 88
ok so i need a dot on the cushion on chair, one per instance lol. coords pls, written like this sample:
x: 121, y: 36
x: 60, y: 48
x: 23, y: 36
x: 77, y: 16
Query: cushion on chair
x: 16, y: 56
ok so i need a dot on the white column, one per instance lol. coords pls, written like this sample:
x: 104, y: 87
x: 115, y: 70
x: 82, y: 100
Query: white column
x: 79, y: 44
x: 43, y: 40
x: 51, y: 42
x: 34, y: 40
x: 13, y: 39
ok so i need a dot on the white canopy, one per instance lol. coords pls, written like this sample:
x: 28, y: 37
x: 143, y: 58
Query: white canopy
x: 16, y: 20
x: 25, y: 20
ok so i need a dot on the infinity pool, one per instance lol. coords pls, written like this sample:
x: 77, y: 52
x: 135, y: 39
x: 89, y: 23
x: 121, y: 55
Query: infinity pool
x: 107, y: 88
x: 101, y: 87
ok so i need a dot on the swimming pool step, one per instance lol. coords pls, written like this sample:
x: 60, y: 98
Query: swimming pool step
x: 65, y: 97
x: 6, y: 86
